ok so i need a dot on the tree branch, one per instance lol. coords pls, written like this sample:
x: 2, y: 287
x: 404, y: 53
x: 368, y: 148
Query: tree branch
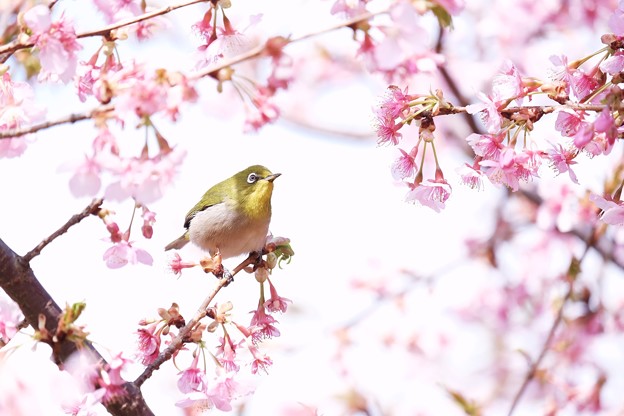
x: 19, y: 282
x: 16, y: 45
x: 573, y: 271
x: 106, y: 31
x: 69, y: 119
x: 91, y: 209
x: 182, y: 337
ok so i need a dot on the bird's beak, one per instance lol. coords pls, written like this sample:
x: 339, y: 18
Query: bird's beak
x: 272, y: 177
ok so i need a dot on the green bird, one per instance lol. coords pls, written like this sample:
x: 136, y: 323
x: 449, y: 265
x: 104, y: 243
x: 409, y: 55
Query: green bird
x: 232, y: 218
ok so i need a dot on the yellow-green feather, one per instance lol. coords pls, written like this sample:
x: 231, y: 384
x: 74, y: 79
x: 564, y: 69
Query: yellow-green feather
x: 252, y: 199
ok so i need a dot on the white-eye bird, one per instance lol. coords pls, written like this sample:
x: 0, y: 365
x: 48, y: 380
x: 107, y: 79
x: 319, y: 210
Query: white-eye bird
x: 232, y: 217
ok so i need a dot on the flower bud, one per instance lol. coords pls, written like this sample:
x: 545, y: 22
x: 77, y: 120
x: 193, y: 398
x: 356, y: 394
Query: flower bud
x: 262, y: 274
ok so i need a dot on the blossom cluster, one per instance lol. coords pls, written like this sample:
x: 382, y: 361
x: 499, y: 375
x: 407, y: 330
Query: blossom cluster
x: 584, y: 94
x: 238, y: 344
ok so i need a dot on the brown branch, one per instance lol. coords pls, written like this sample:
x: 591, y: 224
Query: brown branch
x: 91, y: 209
x: 16, y: 45
x: 106, y: 31
x: 535, y: 365
x: 258, y: 50
x: 19, y: 282
x: 182, y: 337
x: 573, y: 271
x: 69, y: 119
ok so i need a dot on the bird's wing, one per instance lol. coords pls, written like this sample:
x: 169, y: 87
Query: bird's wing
x: 213, y: 196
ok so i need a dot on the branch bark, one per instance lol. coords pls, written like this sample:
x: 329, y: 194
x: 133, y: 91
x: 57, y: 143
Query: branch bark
x: 19, y: 282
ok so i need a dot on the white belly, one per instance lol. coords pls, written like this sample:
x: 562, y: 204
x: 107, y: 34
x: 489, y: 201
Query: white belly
x: 220, y: 228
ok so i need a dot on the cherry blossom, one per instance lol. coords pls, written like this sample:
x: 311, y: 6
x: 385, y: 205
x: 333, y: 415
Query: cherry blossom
x: 56, y: 41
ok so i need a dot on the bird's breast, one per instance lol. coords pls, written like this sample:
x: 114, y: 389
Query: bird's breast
x: 221, y: 227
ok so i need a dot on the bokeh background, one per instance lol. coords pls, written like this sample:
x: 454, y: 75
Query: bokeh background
x: 380, y: 288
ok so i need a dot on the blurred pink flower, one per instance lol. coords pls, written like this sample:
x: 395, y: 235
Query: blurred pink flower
x: 562, y: 160
x: 17, y: 109
x: 56, y: 42
x: 193, y: 379
x: 616, y: 21
x: 612, y: 212
x: 145, y: 180
x: 122, y: 253
x: 10, y: 317
x: 260, y: 361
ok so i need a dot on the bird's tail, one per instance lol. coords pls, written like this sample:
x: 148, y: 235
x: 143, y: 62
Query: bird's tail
x: 178, y: 243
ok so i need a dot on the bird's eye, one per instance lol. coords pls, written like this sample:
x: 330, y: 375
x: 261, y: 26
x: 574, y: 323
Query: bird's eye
x: 252, y: 178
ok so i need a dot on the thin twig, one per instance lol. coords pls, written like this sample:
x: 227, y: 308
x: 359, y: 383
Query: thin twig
x: 535, y: 365
x: 105, y: 31
x: 573, y: 271
x: 92, y: 208
x: 69, y: 119
x: 258, y: 50
x: 16, y: 45
x: 182, y: 337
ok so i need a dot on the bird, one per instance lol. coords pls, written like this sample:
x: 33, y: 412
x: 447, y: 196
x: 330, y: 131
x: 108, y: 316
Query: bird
x: 233, y: 216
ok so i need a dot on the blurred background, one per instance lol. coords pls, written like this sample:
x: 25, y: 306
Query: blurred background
x: 392, y: 309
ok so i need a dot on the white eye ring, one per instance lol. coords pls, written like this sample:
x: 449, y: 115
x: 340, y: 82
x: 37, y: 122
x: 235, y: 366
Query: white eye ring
x: 252, y: 178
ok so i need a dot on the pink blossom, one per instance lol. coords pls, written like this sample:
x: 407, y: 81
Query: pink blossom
x: 10, y: 317
x: 388, y: 131
x: 193, y: 379
x: 452, y: 6
x: 616, y: 20
x: 260, y: 361
x: 562, y: 160
x: 276, y: 303
x: 394, y: 104
x: 508, y: 83
x: 281, y: 64
x: 110, y: 378
x: 149, y: 218
x: 562, y: 72
x: 263, y: 112
x: 612, y: 211
x: 261, y: 326
x: 471, y: 175
x: 487, y: 146
x: 86, y: 178
x: 614, y: 64
x: 145, y: 180
x: 228, y: 43
x: 123, y: 253
x: 431, y: 193
x: 583, y: 84
x: 605, y: 123
x: 88, y: 404
x: 404, y: 166
x: 584, y: 135
x: 118, y: 10
x: 226, y: 351
x: 142, y: 97
x: 56, y: 42
x: 508, y: 169
x: 489, y: 111
x: 17, y: 109
x: 176, y: 265
x: 223, y: 390
x: 350, y: 8
x: 148, y: 343
x: 568, y: 123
